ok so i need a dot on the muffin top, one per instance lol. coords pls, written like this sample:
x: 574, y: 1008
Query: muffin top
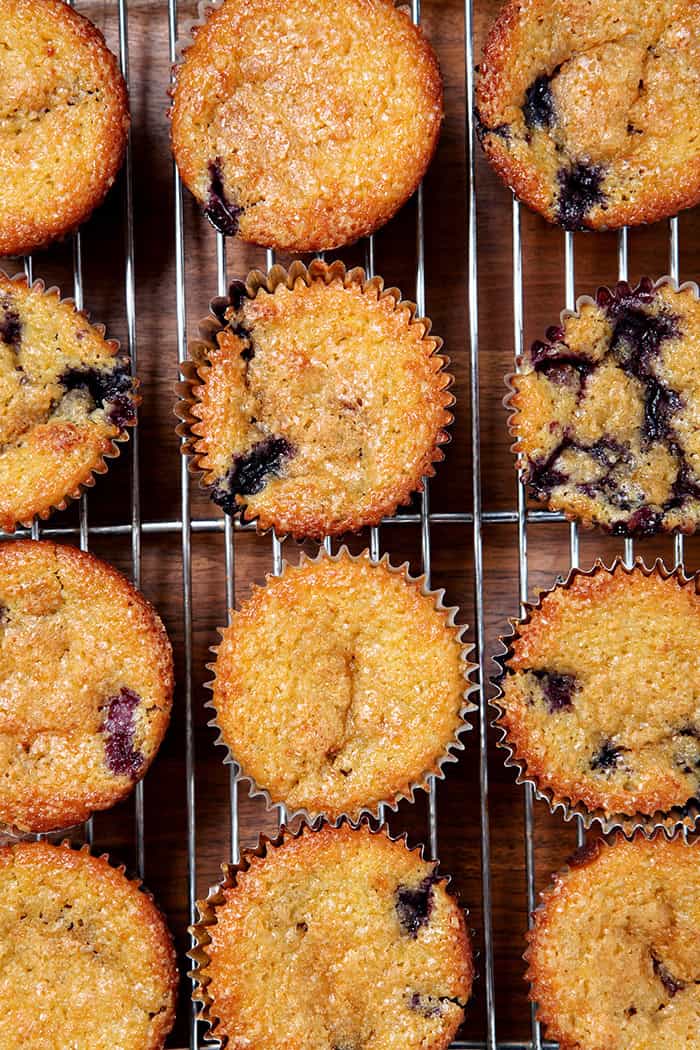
x: 614, y: 954
x: 339, y: 685
x: 66, y: 395
x: 590, y: 110
x: 305, y: 128
x: 601, y: 693
x: 85, y: 685
x: 64, y: 117
x: 87, y: 960
x: 607, y: 411
x: 322, y: 404
x: 340, y: 938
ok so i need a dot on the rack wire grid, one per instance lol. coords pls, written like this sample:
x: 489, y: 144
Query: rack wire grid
x: 187, y: 527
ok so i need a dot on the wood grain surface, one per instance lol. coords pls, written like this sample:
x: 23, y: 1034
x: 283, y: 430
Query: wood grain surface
x: 452, y: 545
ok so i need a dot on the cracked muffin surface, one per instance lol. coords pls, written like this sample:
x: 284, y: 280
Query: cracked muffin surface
x: 339, y: 685
x: 66, y: 396
x: 86, y: 685
x: 614, y: 956
x: 322, y: 406
x: 607, y: 411
x: 602, y: 691
x: 589, y: 110
x: 64, y: 118
x: 86, y: 958
x: 308, y: 128
x: 353, y: 935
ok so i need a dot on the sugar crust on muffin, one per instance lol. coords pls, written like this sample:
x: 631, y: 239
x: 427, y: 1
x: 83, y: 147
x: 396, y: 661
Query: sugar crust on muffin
x: 343, y: 909
x: 306, y: 129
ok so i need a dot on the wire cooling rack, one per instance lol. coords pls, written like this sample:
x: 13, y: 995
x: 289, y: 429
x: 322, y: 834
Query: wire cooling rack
x: 187, y: 527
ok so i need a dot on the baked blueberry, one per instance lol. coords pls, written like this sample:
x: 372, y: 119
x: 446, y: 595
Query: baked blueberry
x: 222, y: 214
x: 119, y: 727
x: 579, y: 192
x: 538, y: 107
x: 414, y: 904
x: 607, y: 757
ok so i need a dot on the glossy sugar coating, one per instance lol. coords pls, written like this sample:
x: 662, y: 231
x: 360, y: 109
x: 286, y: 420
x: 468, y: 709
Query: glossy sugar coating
x: 65, y: 397
x: 589, y: 110
x: 338, y: 940
x: 64, y: 117
x: 602, y: 692
x: 321, y: 408
x: 85, y: 685
x: 614, y: 955
x: 86, y: 960
x: 307, y: 126
x: 607, y: 411
x: 338, y: 685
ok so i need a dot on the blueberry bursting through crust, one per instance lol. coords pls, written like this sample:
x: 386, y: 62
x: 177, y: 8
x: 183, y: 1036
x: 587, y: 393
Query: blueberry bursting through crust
x: 614, y: 361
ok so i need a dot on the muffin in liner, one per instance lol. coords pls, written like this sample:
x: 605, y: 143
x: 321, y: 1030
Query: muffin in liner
x: 293, y: 183
x: 622, y: 480
x: 685, y: 816
x: 161, y: 943
x: 553, y: 903
x: 452, y: 747
x: 123, y: 400
x: 250, y: 858
x: 307, y: 503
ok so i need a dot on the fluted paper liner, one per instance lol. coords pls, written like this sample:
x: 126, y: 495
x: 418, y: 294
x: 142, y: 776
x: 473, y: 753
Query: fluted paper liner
x: 207, y: 907
x: 195, y: 368
x: 452, y: 747
x: 112, y: 451
x: 510, y: 378
x: 628, y: 824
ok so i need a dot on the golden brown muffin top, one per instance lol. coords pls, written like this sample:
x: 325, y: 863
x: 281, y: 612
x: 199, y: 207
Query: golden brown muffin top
x: 86, y: 683
x: 602, y: 691
x: 86, y: 958
x: 64, y: 117
x: 589, y: 110
x: 66, y: 396
x: 321, y: 406
x: 614, y: 955
x: 307, y: 128
x: 339, y: 685
x: 607, y: 411
x: 336, y: 939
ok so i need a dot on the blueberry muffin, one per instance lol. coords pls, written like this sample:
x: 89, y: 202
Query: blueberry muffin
x: 337, y: 938
x: 590, y: 110
x: 66, y: 396
x: 340, y: 685
x: 614, y: 955
x: 607, y: 411
x: 305, y: 128
x: 87, y: 960
x: 86, y: 683
x: 64, y: 118
x: 600, y: 696
x: 318, y: 402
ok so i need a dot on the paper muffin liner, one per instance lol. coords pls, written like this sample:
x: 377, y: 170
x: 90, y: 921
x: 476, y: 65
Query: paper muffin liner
x: 452, y: 747
x: 194, y: 369
x: 167, y: 941
x: 627, y: 824
x: 112, y: 451
x: 207, y: 908
x: 521, y: 461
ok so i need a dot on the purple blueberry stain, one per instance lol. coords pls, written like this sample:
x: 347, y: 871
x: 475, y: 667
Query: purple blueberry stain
x: 607, y: 758
x: 414, y: 904
x: 661, y: 404
x: 672, y: 984
x: 579, y: 191
x: 251, y: 470
x: 119, y: 727
x: 538, y: 107
x: 425, y: 1005
x: 221, y: 212
x: 502, y: 131
x: 111, y: 389
x: 10, y: 324
x: 643, y: 522
x: 558, y: 690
